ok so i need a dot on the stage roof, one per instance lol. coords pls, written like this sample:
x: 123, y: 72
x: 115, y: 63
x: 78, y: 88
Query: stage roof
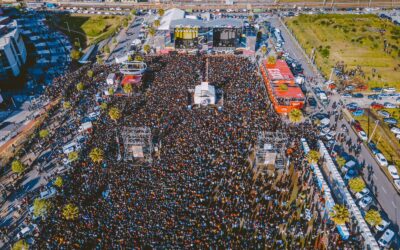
x: 292, y: 92
x: 169, y: 15
x: 217, y: 23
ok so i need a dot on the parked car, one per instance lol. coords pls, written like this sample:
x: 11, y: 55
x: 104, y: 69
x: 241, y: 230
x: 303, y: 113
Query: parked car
x: 26, y: 230
x: 376, y: 105
x: 374, y: 97
x: 393, y: 172
x: 383, y: 113
x: 349, y: 88
x: 365, y: 202
x: 397, y: 184
x: 312, y: 102
x: 358, y: 95
x: 381, y: 160
x: 395, y: 130
x: 363, y: 136
x: 48, y: 193
x: 346, y: 95
x: 386, y: 238
x: 390, y: 121
x: 389, y: 90
x: 383, y: 225
x: 373, y: 148
x: 376, y: 89
x: 362, y: 193
x: 389, y: 105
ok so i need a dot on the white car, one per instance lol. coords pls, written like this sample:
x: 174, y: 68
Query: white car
x: 382, y: 226
x: 365, y: 202
x: 389, y: 105
x: 362, y: 193
x: 26, y: 231
x: 393, y: 172
x: 397, y: 184
x: 362, y: 135
x: 48, y: 193
x: 381, y: 159
x: 395, y: 130
x: 389, y: 90
x: 386, y: 238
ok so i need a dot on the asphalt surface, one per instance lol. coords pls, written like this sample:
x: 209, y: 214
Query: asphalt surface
x: 384, y: 191
x: 125, y: 39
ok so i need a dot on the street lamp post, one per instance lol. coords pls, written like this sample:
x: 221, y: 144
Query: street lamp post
x: 68, y: 27
x: 373, y: 131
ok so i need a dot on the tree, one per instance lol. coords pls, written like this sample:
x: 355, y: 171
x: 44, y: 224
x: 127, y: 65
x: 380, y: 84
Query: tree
x: 129, y: 58
x: 90, y: 73
x: 313, y: 156
x: 128, y: 88
x: 43, y: 133
x: 271, y: 60
x: 264, y: 50
x: 70, y: 212
x: 156, y: 23
x: 75, y: 54
x: 73, y: 156
x: 115, y: 114
x: 20, y: 245
x: 340, y: 214
x: 340, y: 161
x: 283, y: 87
x: 133, y: 12
x: 17, y: 166
x: 99, y: 60
x: 146, y: 48
x: 373, y: 217
x: 114, y: 40
x: 66, y: 105
x: 107, y: 49
x: 356, y: 184
x: 58, y: 182
x: 96, y: 155
x: 125, y: 22
x: 295, y: 116
x: 103, y: 106
x: 111, y: 91
x: 152, y: 31
x: 80, y: 86
x: 139, y: 58
x: 40, y: 207
x: 161, y: 12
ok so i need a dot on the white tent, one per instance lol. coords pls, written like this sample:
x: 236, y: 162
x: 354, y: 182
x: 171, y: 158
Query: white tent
x: 204, y: 94
x: 169, y: 15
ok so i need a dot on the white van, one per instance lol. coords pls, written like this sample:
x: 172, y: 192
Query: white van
x: 73, y: 146
x: 386, y: 238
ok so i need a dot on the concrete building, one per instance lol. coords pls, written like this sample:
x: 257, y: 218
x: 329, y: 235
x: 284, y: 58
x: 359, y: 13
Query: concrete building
x: 12, y: 49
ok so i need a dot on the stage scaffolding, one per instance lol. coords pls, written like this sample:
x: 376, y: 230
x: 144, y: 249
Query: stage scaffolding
x: 137, y: 143
x: 270, y: 149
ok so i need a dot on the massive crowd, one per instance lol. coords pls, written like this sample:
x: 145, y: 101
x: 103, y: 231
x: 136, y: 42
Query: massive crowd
x: 201, y: 189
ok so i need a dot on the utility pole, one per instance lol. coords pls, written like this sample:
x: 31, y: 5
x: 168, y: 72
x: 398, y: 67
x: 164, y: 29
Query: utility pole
x: 330, y: 77
x: 68, y: 28
x: 373, y: 131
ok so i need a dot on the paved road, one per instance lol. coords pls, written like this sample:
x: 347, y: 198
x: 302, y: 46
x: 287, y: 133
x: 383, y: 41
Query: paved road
x: 125, y: 39
x: 385, y: 192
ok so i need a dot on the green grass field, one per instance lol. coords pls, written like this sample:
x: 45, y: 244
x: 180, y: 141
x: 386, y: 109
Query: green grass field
x: 88, y: 28
x: 355, y: 40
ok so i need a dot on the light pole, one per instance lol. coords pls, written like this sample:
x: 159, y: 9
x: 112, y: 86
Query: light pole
x: 373, y: 131
x: 68, y: 28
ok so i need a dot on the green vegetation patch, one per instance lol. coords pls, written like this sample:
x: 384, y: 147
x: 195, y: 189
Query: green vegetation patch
x: 366, y: 41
